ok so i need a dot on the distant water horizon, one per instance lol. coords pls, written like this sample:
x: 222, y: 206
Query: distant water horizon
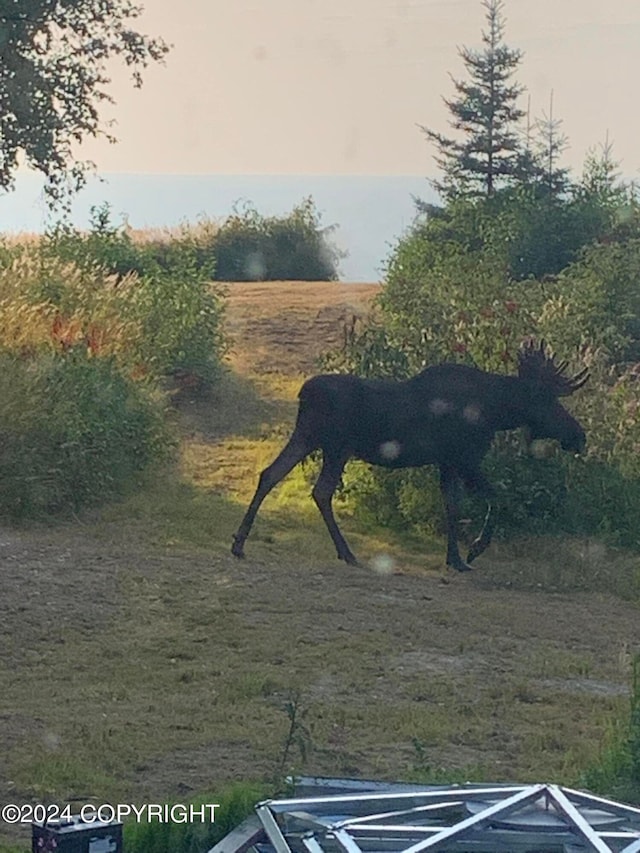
x: 370, y: 212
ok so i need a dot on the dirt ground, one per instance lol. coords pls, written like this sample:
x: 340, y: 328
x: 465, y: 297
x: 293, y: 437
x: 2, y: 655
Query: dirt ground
x: 399, y: 670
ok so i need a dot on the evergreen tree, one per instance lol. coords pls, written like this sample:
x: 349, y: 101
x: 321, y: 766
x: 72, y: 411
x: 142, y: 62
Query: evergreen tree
x: 485, y: 111
x: 601, y: 181
x: 544, y: 148
x: 611, y: 205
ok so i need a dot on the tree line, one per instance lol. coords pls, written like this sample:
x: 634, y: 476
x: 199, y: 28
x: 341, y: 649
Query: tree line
x: 516, y: 248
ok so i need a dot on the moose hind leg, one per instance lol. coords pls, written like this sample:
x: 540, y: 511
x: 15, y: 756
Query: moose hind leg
x: 294, y: 451
x: 450, y: 487
x: 332, y: 468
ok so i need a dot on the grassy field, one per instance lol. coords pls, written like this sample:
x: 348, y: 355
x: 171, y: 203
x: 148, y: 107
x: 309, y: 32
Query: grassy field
x: 141, y: 661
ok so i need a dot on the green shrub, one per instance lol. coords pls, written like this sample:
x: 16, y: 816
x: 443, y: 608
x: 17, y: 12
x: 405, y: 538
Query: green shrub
x: 531, y: 233
x: 80, y: 350
x: 180, y: 318
x: 249, y: 246
x: 246, y: 246
x: 105, y: 245
x: 451, y: 299
x: 596, y: 301
x: 166, y: 320
x: 449, y: 296
x: 74, y: 431
x: 49, y: 305
x: 116, y: 249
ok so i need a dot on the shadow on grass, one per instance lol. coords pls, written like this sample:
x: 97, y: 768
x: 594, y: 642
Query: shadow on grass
x: 173, y: 513
x: 237, y: 406
x: 561, y: 564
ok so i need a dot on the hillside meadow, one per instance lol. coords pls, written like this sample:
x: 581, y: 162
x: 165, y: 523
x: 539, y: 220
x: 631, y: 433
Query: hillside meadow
x: 142, y: 662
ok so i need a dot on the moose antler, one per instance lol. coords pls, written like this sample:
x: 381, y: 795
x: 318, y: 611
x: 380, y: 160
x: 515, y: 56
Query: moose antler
x: 537, y: 364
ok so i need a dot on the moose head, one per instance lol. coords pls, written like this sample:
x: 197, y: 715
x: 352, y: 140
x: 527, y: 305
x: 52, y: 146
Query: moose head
x: 546, y: 382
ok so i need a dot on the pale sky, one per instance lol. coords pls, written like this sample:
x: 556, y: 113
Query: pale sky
x: 339, y: 86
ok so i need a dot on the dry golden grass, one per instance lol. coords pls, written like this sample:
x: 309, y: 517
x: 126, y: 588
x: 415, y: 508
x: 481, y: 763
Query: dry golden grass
x: 94, y: 311
x: 200, y: 231
x: 21, y: 238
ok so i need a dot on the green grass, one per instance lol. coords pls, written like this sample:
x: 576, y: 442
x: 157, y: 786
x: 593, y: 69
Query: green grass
x: 186, y: 671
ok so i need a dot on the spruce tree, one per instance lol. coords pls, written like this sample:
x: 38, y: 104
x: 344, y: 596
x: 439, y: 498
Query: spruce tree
x: 542, y: 153
x: 485, y: 111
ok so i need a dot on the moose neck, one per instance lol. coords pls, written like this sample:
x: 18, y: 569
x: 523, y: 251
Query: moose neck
x: 517, y: 402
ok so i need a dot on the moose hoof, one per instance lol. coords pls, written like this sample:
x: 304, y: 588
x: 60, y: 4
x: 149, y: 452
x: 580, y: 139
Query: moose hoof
x: 460, y: 566
x: 349, y: 558
x: 237, y: 548
x: 474, y: 551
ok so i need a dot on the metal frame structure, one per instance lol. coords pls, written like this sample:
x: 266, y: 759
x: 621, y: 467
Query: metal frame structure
x: 541, y: 818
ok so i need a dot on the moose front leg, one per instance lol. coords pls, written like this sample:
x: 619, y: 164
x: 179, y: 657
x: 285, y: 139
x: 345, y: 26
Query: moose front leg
x: 450, y: 487
x: 478, y: 483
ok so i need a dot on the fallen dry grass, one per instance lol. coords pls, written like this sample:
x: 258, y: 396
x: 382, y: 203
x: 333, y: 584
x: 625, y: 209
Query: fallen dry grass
x: 141, y: 661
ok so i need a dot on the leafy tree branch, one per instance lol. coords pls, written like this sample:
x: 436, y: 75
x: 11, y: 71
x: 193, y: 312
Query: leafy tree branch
x: 54, y: 80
